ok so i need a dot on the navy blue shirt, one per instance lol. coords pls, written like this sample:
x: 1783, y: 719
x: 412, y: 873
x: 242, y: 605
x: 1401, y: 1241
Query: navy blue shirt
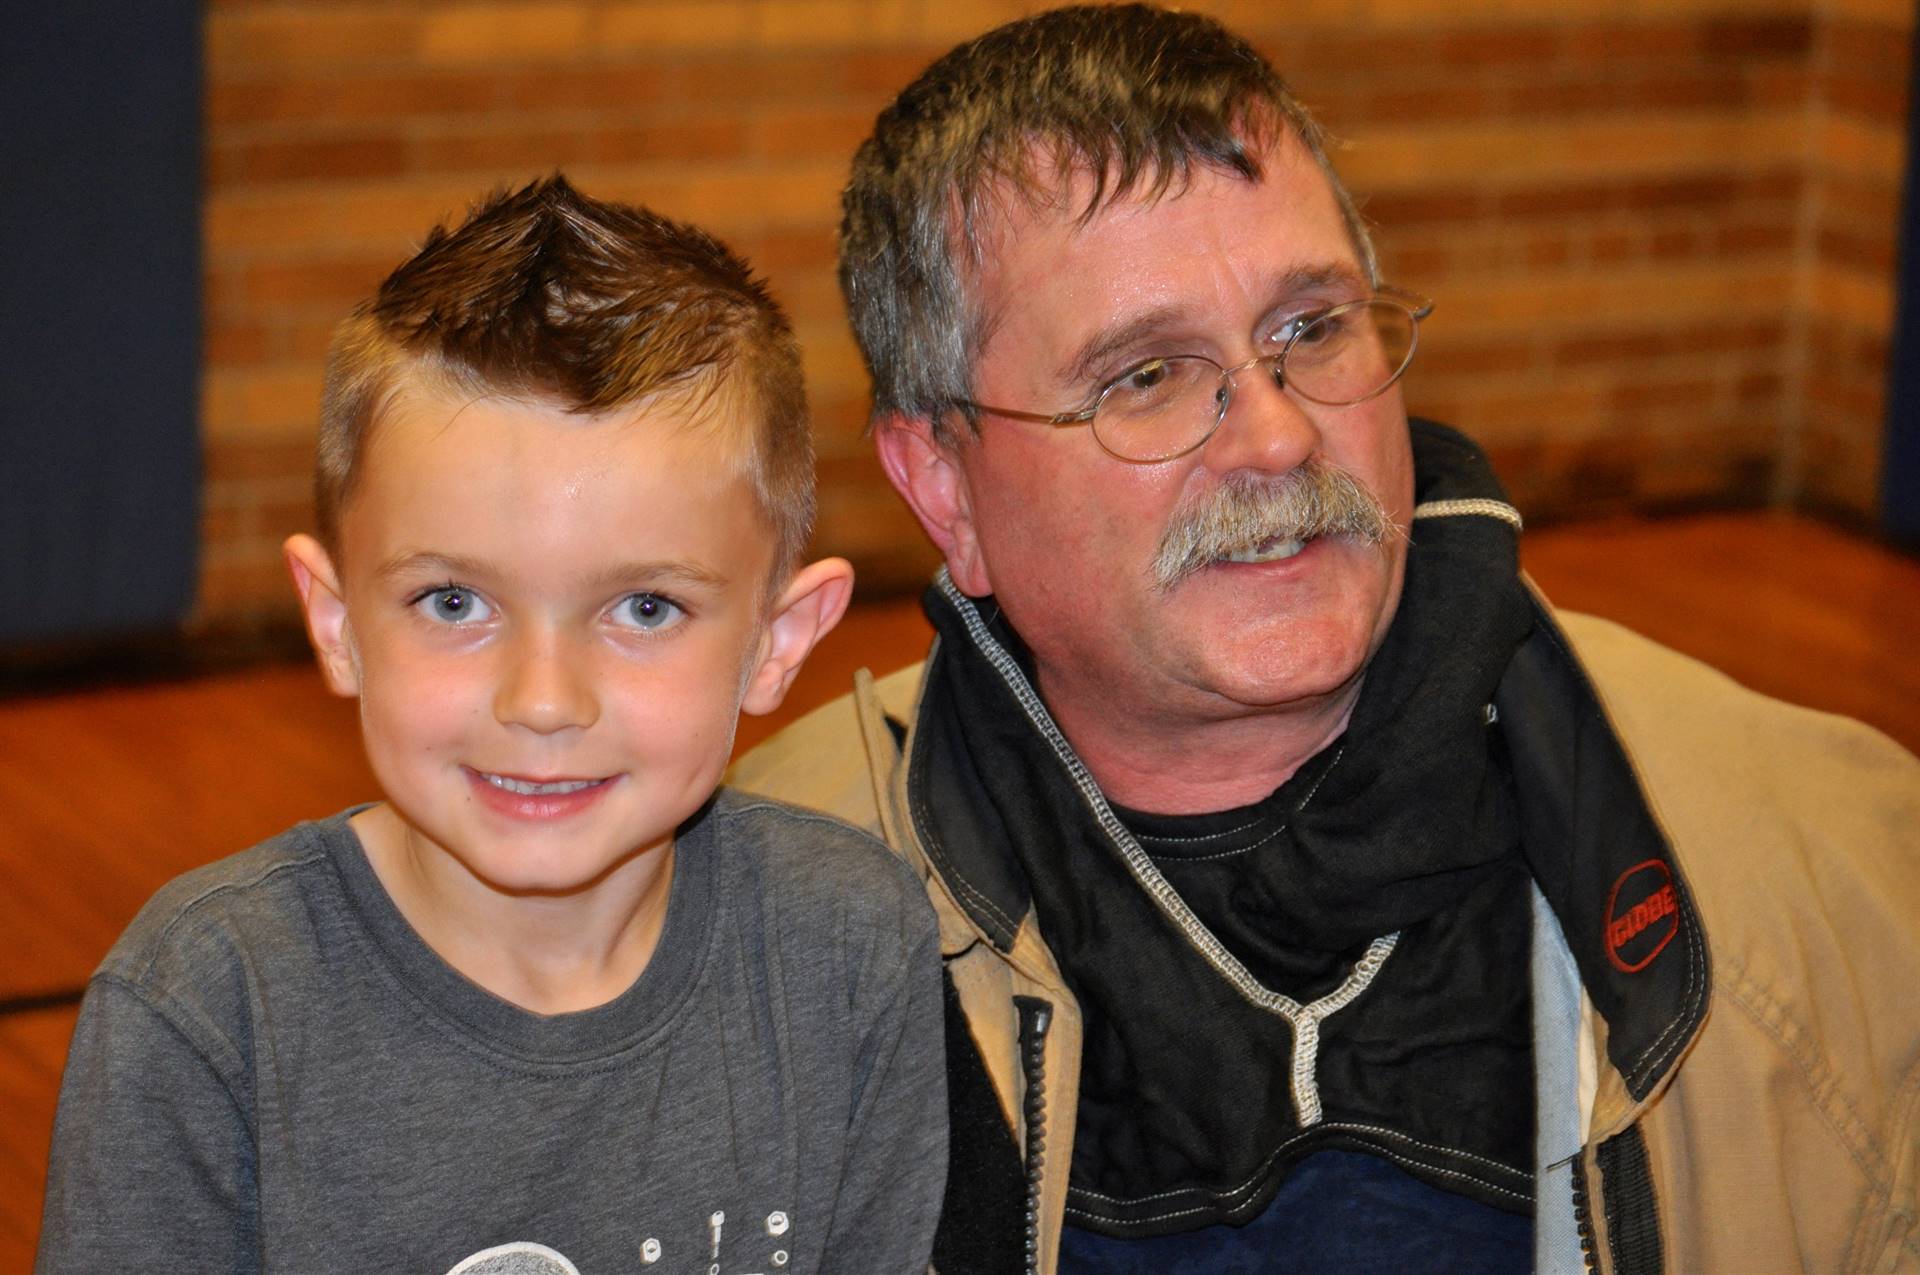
x: 1339, y: 1211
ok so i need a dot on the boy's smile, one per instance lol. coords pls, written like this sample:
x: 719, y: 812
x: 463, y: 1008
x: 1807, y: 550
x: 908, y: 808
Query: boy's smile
x: 551, y: 621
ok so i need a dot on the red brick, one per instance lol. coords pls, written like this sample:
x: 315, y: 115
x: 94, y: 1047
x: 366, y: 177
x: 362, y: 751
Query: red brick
x: 363, y: 94
x: 794, y: 250
x: 1748, y: 239
x: 1614, y: 246
x: 1785, y: 36
x: 1685, y: 91
x: 1666, y: 245
x: 332, y: 284
x: 1848, y: 201
x: 1411, y: 266
x: 1428, y: 205
x: 255, y: 587
x: 600, y: 89
x: 1689, y: 191
x: 1556, y: 201
x: 1485, y: 358
x: 1548, y: 251
x: 1429, y: 104
x: 1614, y: 43
x: 1779, y: 84
x: 832, y: 131
x: 1870, y: 100
x: 236, y: 460
x: 1874, y: 253
x: 277, y: 519
x: 1784, y: 184
x: 1662, y: 396
x: 233, y: 342
x: 1759, y: 387
x: 343, y: 158
x: 1496, y: 45
x: 1864, y: 50
x: 1563, y: 97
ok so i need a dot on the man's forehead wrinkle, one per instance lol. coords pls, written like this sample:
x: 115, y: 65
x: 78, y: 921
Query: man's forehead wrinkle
x: 1083, y: 362
x: 1126, y: 330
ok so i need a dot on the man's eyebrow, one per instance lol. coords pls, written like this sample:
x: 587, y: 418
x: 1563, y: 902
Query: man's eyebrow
x: 1085, y: 362
x: 1082, y: 364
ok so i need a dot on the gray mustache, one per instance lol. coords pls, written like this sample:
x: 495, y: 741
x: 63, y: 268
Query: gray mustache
x: 1315, y: 499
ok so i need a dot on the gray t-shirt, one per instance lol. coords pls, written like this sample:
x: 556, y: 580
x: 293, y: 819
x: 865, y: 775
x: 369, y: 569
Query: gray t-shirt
x: 272, y: 1072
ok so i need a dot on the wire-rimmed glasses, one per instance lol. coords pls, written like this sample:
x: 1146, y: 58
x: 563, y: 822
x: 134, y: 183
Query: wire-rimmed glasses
x: 1165, y: 407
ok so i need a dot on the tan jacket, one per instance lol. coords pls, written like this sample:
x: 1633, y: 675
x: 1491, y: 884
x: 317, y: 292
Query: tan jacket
x: 1781, y: 1135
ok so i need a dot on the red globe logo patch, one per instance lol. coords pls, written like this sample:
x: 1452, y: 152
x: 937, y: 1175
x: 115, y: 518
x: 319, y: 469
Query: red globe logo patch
x: 1643, y: 915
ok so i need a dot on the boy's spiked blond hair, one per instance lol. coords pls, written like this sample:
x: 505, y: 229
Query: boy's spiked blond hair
x: 548, y: 293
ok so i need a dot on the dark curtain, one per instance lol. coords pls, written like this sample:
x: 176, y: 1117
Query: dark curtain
x: 99, y: 316
x: 1900, y: 469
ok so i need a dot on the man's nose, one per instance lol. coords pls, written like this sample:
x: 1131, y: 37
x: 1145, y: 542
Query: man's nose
x: 546, y: 685
x: 1265, y: 428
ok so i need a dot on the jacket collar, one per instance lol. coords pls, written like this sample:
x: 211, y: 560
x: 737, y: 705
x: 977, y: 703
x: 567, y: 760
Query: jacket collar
x: 1589, y: 837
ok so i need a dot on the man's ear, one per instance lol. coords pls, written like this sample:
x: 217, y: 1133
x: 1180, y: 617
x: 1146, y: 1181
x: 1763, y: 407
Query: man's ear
x: 806, y: 611
x: 318, y: 585
x: 929, y: 476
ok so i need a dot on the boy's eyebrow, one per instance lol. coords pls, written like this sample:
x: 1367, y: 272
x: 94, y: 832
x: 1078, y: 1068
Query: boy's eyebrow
x: 456, y: 566
x: 447, y: 564
x: 666, y: 569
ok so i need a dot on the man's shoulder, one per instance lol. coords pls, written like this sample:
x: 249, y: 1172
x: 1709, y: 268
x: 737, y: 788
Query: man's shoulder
x: 1675, y: 712
x: 1786, y: 821
x: 828, y: 759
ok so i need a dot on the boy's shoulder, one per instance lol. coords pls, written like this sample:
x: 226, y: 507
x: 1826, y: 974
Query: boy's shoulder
x: 254, y: 904
x: 800, y: 855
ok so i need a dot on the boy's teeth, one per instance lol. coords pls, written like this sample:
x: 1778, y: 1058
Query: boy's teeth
x: 526, y: 789
x: 1271, y: 551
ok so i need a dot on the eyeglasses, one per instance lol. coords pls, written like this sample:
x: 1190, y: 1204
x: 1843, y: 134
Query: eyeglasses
x: 1166, y: 407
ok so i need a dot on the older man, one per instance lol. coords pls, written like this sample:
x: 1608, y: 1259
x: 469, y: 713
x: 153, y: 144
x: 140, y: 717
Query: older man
x: 1314, y: 896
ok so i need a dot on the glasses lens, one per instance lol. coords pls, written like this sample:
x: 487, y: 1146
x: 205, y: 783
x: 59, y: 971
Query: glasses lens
x: 1350, y: 353
x: 1159, y: 409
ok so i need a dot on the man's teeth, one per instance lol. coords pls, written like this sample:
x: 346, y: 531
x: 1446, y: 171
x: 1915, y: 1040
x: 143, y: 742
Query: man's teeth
x: 528, y: 789
x: 1271, y: 551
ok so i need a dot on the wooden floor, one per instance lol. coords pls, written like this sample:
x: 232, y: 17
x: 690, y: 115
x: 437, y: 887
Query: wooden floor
x: 109, y: 793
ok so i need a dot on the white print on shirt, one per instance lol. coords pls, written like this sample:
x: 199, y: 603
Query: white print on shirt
x: 525, y: 1258
x: 516, y: 1259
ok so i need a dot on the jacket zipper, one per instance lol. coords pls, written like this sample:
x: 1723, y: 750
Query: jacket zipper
x: 1036, y: 1016
x: 1627, y: 1193
x: 1583, y: 1216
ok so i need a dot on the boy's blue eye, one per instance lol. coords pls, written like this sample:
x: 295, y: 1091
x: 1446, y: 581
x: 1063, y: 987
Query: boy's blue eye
x: 453, y: 605
x: 647, y: 611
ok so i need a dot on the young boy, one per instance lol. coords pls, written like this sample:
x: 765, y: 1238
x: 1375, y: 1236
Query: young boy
x: 554, y: 1005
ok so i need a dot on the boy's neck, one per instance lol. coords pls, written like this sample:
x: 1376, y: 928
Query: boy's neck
x: 548, y: 954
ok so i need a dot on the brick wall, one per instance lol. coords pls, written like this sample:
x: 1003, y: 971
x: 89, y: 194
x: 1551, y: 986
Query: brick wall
x: 1661, y: 243
x: 1860, y: 73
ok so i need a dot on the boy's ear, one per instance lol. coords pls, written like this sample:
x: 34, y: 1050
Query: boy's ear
x: 806, y: 611
x: 931, y: 478
x: 318, y: 585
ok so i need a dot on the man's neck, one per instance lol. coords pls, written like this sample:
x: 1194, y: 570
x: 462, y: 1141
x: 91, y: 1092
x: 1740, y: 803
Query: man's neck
x: 1191, y: 765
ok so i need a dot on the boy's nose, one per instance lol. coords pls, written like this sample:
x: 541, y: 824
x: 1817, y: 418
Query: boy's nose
x: 545, y: 686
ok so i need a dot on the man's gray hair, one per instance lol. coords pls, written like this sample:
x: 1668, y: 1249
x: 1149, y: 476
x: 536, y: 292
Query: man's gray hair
x: 1133, y: 93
